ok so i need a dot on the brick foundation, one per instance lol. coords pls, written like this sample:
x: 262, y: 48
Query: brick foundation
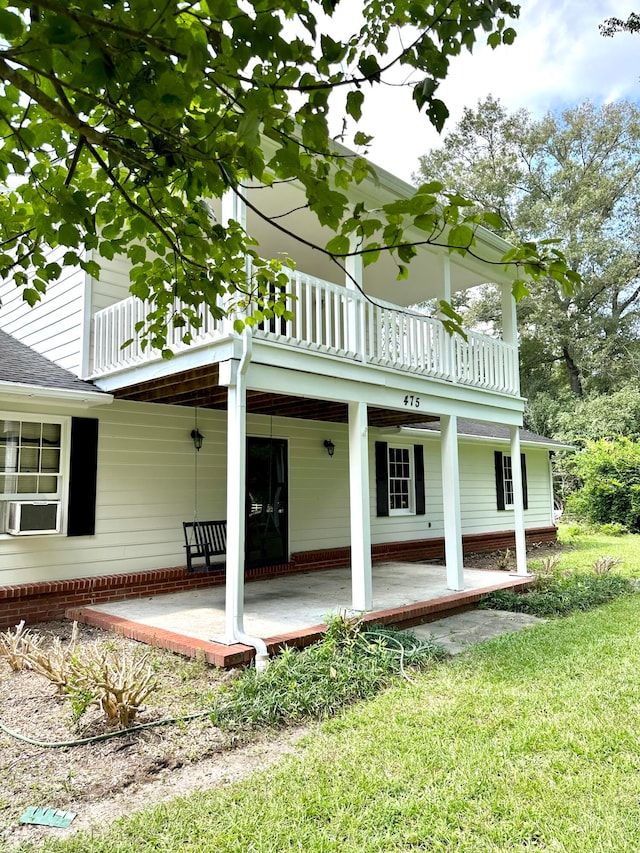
x: 47, y: 600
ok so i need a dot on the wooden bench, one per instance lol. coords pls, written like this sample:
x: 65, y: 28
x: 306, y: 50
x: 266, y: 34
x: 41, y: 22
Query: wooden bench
x: 204, y: 540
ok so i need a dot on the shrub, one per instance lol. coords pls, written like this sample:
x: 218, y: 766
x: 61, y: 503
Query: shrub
x: 16, y: 645
x: 351, y: 662
x: 613, y: 528
x: 609, y: 473
x: 603, y: 565
x: 53, y: 663
x: 117, y: 684
x: 562, y: 595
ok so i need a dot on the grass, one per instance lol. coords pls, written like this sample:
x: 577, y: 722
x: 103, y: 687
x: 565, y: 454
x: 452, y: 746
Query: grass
x: 583, y: 545
x: 530, y: 741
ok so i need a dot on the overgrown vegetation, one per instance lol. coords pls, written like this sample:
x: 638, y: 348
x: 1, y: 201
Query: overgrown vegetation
x: 527, y: 742
x: 608, y: 476
x: 559, y: 590
x: 352, y: 661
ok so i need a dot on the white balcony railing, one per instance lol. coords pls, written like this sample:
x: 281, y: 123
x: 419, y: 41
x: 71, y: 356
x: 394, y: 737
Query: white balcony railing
x: 330, y: 319
x: 116, y: 324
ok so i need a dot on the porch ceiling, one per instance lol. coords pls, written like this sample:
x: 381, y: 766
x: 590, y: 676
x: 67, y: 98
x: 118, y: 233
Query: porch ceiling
x: 199, y: 387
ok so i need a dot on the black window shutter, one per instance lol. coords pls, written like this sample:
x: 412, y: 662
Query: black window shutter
x: 499, y: 479
x: 525, y: 492
x: 418, y: 466
x: 382, y: 478
x: 83, y: 471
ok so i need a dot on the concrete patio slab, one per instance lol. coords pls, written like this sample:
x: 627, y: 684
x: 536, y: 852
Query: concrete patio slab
x: 290, y: 609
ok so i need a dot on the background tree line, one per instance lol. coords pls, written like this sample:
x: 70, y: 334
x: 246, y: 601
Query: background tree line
x: 575, y: 175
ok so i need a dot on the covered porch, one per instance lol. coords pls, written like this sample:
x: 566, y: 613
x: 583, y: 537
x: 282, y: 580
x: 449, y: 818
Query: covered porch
x: 249, y: 385
x: 290, y: 610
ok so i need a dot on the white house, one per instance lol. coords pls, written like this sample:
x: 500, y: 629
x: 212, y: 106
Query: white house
x: 359, y: 430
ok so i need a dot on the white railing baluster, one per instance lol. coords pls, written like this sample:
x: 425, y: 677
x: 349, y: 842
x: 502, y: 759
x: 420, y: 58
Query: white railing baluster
x: 328, y: 318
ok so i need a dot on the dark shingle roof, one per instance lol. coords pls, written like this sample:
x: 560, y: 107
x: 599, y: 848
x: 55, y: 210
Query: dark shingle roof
x: 486, y: 430
x: 24, y: 366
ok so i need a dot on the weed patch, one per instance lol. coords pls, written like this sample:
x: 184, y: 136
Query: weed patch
x: 351, y: 662
x: 559, y: 595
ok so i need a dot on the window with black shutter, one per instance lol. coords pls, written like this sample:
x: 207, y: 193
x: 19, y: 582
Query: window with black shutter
x: 400, y: 486
x: 504, y: 480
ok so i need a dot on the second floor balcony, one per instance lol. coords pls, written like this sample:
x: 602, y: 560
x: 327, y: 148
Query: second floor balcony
x: 332, y: 322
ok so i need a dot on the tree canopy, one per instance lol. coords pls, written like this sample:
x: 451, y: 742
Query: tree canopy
x: 122, y: 120
x: 576, y: 174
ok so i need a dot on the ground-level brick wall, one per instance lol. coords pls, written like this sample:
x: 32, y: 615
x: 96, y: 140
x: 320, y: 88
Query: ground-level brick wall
x: 48, y: 600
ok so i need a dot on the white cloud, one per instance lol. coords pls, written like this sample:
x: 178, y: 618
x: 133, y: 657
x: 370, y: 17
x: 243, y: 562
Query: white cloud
x: 558, y: 60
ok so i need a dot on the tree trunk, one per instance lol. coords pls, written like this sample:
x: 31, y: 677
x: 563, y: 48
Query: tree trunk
x: 575, y: 380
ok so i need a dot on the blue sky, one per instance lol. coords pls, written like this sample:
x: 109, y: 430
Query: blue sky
x: 559, y: 59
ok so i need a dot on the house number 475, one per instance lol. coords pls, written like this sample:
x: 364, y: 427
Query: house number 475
x: 412, y: 402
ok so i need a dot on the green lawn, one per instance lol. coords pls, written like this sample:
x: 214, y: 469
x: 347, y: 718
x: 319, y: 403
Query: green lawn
x: 528, y: 742
x: 582, y: 548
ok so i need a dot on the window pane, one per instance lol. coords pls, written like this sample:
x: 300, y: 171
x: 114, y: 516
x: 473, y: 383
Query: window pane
x: 50, y: 461
x: 29, y: 458
x: 29, y: 449
x: 30, y: 433
x: 47, y: 485
x: 507, y: 478
x: 9, y: 431
x: 51, y: 435
x: 27, y: 484
x: 9, y: 463
x: 400, y: 488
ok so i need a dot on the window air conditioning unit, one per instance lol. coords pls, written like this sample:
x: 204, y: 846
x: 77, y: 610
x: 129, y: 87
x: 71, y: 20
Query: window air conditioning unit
x: 27, y: 518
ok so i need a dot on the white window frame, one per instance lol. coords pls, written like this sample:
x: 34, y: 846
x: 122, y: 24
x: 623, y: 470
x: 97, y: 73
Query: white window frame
x: 507, y: 481
x: 62, y: 492
x: 410, y: 480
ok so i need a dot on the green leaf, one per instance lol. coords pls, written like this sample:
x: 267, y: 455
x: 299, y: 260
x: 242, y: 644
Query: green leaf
x: 355, y: 100
x: 339, y: 245
x: 11, y: 25
x: 369, y: 68
x: 460, y: 237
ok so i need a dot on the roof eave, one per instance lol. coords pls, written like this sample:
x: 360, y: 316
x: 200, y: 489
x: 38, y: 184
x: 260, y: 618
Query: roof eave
x: 465, y: 437
x: 47, y: 395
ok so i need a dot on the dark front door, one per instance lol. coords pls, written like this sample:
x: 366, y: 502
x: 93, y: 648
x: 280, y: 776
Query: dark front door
x: 267, y: 502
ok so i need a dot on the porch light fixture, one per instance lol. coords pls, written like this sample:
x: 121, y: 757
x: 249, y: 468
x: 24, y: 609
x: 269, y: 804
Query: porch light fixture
x: 197, y: 437
x: 330, y: 446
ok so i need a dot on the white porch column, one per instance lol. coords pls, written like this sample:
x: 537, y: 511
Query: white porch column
x: 509, y: 322
x: 232, y: 207
x: 510, y: 329
x: 353, y: 280
x: 518, y: 503
x: 451, y: 501
x: 236, y: 487
x: 448, y: 343
x: 361, y: 582
x: 446, y: 279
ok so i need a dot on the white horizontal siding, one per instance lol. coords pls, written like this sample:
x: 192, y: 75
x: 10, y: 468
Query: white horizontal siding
x: 113, y: 283
x: 146, y: 489
x: 54, y: 326
x: 478, y: 498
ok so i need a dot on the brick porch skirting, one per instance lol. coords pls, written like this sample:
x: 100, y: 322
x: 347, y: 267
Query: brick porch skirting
x: 47, y: 600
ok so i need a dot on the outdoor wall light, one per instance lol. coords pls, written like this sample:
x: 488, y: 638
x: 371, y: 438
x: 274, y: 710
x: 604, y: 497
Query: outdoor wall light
x: 197, y: 437
x: 330, y: 446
